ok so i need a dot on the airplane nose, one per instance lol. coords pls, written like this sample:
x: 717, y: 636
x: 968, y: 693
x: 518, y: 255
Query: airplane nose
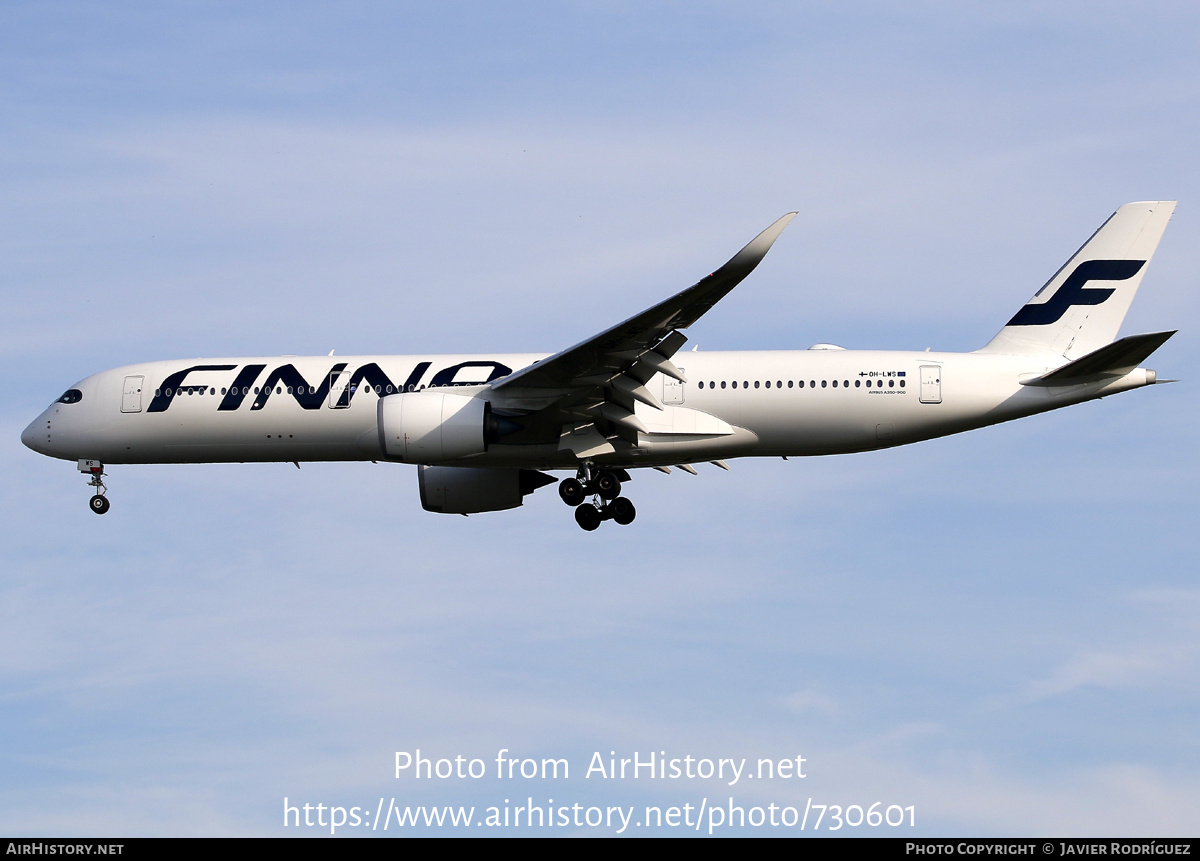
x: 33, y: 434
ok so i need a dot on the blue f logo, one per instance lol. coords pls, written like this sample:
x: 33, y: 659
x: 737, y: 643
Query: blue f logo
x: 1072, y: 291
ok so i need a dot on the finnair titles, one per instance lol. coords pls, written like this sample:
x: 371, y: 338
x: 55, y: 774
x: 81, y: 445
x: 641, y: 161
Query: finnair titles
x: 485, y: 431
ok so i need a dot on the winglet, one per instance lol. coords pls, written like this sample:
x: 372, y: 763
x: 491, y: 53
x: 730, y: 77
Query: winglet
x: 708, y: 291
x: 756, y: 249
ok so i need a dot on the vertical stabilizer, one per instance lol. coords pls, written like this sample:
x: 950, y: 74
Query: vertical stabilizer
x: 1081, y: 308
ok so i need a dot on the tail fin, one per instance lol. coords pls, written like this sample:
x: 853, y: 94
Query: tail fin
x: 1071, y: 319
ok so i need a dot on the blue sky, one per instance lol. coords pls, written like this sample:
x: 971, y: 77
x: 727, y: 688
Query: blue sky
x: 998, y: 628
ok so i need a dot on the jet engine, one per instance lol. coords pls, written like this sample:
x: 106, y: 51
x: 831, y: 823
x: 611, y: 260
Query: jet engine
x: 470, y: 490
x: 434, y: 426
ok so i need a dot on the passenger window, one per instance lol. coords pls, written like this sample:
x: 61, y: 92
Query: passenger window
x: 756, y: 384
x: 902, y: 384
x: 823, y: 384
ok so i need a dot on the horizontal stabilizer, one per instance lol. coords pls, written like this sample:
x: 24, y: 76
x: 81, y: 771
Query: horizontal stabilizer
x: 1115, y: 360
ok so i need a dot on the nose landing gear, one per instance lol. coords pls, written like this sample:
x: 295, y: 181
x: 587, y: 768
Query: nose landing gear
x: 99, y: 502
x: 607, y: 503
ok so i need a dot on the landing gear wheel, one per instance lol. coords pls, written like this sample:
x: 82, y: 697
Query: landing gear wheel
x: 588, y: 517
x: 622, y: 511
x: 571, y: 490
x: 95, y: 469
x: 608, y: 485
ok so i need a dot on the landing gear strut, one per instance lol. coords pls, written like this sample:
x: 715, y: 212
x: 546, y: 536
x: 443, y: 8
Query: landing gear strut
x: 99, y: 502
x: 604, y: 486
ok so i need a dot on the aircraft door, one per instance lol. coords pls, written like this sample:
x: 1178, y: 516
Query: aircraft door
x: 931, y: 384
x: 672, y: 389
x: 337, y: 385
x: 131, y: 395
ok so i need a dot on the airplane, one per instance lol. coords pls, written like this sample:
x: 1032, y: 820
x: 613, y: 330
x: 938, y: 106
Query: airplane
x: 484, y: 429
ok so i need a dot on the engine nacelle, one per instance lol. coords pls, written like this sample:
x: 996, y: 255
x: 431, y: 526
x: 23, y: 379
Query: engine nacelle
x: 432, y: 426
x: 471, y: 490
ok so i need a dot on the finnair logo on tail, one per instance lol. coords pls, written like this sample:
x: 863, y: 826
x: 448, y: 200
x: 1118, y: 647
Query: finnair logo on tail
x: 1072, y: 291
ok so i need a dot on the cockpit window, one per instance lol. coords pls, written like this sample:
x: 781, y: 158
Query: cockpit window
x: 71, y: 396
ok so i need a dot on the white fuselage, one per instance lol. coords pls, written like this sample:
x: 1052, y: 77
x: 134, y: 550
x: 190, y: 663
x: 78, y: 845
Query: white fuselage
x: 734, y: 404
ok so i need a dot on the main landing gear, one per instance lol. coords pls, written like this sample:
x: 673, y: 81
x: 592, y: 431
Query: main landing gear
x: 604, y: 486
x: 99, y: 502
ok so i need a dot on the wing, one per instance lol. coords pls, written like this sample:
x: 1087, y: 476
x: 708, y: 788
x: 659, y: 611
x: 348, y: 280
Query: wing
x: 598, y: 380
